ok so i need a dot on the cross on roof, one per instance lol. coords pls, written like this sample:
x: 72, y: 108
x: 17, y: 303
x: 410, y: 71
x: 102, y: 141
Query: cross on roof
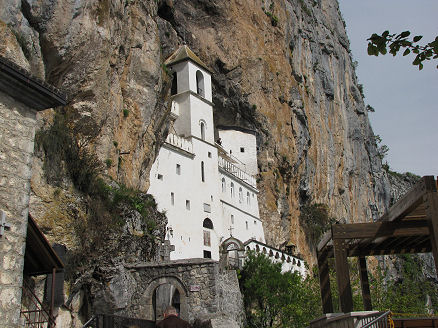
x: 3, y: 224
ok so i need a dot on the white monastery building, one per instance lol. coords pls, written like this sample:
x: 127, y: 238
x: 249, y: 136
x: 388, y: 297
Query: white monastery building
x: 207, y: 189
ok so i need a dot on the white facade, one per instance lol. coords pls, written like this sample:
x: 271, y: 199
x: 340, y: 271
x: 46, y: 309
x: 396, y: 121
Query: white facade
x: 241, y: 146
x: 207, y: 194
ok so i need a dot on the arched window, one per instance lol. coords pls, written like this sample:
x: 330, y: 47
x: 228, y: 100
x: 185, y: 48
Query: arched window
x: 202, y: 130
x: 224, y: 186
x: 207, y: 224
x: 232, y: 189
x: 257, y: 248
x: 200, y: 83
x: 202, y: 172
x: 248, y: 199
x: 174, y: 90
x: 240, y: 195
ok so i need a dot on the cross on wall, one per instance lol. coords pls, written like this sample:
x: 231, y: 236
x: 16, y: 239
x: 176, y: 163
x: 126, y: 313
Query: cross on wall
x: 231, y: 231
x: 3, y: 224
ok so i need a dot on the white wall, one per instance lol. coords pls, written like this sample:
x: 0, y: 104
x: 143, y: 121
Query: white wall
x: 201, y: 111
x: 288, y: 262
x: 188, y: 236
x: 234, y: 140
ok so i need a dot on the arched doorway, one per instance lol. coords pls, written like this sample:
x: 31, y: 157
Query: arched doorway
x: 163, y: 296
x: 160, y: 293
x: 233, y: 251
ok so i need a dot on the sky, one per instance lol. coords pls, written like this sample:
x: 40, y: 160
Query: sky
x: 405, y: 99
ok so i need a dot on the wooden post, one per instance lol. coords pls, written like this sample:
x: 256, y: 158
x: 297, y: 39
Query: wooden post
x: 52, y: 298
x: 324, y: 282
x: 364, y: 283
x: 432, y: 216
x: 343, y: 276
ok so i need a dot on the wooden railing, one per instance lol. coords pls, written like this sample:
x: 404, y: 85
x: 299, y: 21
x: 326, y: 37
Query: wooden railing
x: 382, y: 320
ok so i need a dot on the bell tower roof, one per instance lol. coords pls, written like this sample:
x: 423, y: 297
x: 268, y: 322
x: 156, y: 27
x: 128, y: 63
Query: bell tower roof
x: 184, y: 53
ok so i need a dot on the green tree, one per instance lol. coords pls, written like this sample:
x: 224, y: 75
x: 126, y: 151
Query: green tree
x: 379, y: 44
x: 275, y: 299
x: 407, y: 294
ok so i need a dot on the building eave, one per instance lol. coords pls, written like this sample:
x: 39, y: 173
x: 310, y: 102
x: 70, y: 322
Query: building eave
x: 27, y: 89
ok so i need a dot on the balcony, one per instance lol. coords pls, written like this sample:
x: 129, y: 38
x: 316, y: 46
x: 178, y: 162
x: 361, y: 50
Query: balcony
x: 180, y: 142
x: 237, y: 172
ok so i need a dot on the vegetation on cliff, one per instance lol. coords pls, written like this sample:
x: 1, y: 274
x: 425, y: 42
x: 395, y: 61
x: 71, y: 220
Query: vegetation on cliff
x: 119, y: 221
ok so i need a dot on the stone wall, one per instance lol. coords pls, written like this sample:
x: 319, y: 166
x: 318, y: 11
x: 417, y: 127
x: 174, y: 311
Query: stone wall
x: 205, y: 292
x: 17, y: 129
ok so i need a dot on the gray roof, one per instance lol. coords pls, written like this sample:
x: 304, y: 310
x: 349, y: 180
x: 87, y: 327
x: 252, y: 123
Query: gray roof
x: 184, y: 53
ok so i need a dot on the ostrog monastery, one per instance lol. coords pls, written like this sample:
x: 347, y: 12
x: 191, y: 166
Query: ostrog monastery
x: 207, y: 187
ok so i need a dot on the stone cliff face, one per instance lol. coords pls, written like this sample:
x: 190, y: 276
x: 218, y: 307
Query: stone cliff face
x: 282, y: 68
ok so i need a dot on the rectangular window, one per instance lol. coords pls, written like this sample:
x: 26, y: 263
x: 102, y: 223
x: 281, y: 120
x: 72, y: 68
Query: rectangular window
x: 160, y: 177
x: 232, y: 219
x: 207, y: 255
x: 246, y: 223
x: 209, y: 154
x: 178, y: 169
x: 172, y: 198
x: 187, y: 205
x: 207, y: 208
x: 207, y: 241
x: 242, y: 150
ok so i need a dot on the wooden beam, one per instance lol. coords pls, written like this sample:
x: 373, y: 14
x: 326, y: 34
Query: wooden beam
x: 324, y: 283
x: 324, y: 241
x: 364, y: 283
x: 432, y: 214
x: 410, y: 200
x: 380, y: 229
x: 343, y: 276
x: 402, y: 250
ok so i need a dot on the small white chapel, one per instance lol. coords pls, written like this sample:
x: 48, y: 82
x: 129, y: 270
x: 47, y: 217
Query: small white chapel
x: 207, y: 187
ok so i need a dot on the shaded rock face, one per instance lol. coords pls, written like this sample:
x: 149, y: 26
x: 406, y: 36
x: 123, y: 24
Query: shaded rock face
x: 282, y: 68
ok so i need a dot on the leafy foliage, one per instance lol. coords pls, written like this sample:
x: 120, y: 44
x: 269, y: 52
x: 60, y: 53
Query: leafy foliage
x: 66, y: 148
x: 275, y: 299
x: 379, y: 44
x: 382, y: 150
x: 409, y: 293
x: 67, y: 152
x: 316, y: 220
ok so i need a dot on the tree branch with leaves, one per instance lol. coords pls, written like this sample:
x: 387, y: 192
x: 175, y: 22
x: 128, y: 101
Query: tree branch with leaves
x: 380, y: 44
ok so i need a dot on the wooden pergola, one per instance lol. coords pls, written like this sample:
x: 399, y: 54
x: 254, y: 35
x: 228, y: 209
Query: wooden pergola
x: 410, y: 226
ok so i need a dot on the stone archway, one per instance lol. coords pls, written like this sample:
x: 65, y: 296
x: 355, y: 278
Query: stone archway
x: 166, y: 284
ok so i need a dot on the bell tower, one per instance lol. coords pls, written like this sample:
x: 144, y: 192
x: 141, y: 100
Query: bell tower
x: 192, y: 95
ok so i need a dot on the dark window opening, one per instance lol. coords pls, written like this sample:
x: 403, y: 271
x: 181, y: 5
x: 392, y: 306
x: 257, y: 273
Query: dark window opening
x: 242, y: 150
x: 207, y: 224
x: 207, y: 255
x: 202, y: 172
x: 202, y: 130
x: 200, y: 83
x: 174, y: 90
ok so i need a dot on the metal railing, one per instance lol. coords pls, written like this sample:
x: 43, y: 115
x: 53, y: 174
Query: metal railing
x: 378, y: 320
x: 35, y: 313
x: 237, y: 172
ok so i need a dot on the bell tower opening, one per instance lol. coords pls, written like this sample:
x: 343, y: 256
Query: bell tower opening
x: 174, y: 89
x: 200, y: 83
